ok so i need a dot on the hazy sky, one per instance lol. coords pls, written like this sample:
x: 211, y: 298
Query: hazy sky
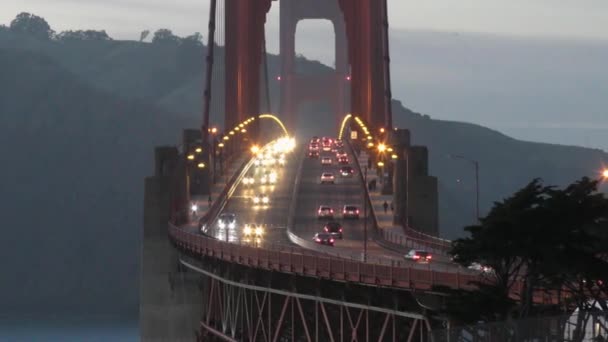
x: 124, y: 19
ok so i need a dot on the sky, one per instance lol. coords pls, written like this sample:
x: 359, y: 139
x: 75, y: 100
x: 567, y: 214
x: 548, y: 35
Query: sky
x: 534, y: 69
x: 124, y: 19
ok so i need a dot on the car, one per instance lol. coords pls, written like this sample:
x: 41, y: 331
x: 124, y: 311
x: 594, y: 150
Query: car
x: 343, y: 160
x: 248, y: 180
x: 339, y: 143
x: 313, y: 147
x: 350, y: 211
x: 314, y: 139
x: 253, y: 230
x: 325, y: 212
x: 313, y: 154
x: 227, y: 220
x: 269, y: 178
x: 333, y: 228
x: 324, y: 239
x: 261, y: 199
x: 480, y: 267
x: 326, y: 161
x: 419, y: 256
x: 340, y: 154
x: 347, y: 171
x: 327, y: 177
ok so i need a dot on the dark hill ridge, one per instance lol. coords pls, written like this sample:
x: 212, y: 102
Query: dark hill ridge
x: 79, y: 121
x: 73, y: 161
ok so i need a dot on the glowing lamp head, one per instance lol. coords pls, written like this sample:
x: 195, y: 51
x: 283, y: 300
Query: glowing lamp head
x: 605, y: 173
x: 381, y: 147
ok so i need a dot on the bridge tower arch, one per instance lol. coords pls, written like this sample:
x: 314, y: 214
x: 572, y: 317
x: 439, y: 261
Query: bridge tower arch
x: 297, y: 88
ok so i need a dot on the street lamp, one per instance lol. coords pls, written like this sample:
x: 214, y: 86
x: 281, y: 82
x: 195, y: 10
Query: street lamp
x: 605, y: 174
x: 476, y: 164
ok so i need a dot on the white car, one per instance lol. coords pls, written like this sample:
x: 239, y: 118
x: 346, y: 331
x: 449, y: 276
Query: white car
x: 325, y: 212
x: 419, y: 256
x: 269, y: 178
x: 350, y: 211
x: 482, y: 268
x: 227, y: 220
x: 261, y: 199
x: 252, y: 229
x: 327, y: 177
x: 326, y: 161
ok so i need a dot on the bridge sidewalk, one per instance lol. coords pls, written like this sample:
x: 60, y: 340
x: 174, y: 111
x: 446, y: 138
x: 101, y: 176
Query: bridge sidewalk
x: 393, y: 234
x: 385, y: 218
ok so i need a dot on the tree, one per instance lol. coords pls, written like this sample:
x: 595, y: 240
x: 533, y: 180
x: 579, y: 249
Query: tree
x: 165, y: 36
x: 3, y: 28
x: 542, y: 239
x: 190, y: 53
x: 26, y: 23
x: 195, y: 39
x: 144, y: 34
x: 91, y: 35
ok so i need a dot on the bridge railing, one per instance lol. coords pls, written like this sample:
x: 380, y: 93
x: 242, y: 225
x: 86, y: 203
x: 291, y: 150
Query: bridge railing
x: 318, y: 265
x: 411, y: 238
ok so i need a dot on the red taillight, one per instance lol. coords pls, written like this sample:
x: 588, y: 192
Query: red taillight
x: 331, y: 210
x: 340, y: 230
x: 357, y: 211
x: 325, y: 229
x: 416, y: 257
x: 428, y: 257
x: 331, y: 240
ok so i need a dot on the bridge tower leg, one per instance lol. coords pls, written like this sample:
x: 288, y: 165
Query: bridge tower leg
x: 364, y: 29
x: 169, y: 299
x: 296, y: 88
x: 244, y: 30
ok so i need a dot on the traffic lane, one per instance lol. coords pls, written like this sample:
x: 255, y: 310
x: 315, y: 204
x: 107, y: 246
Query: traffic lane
x: 272, y: 216
x: 346, y: 191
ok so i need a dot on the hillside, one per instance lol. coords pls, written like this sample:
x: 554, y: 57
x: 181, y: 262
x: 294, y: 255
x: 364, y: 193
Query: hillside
x: 73, y: 162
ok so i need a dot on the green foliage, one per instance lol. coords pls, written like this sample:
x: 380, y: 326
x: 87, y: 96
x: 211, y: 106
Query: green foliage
x: 33, y: 25
x: 165, y: 36
x: 90, y: 35
x: 546, y: 239
x: 144, y: 34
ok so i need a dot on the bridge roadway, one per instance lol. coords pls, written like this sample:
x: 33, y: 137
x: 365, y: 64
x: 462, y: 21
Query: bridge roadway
x: 311, y: 194
x: 273, y: 217
x: 345, y: 191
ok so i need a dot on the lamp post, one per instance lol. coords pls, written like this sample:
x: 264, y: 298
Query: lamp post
x: 476, y: 164
x: 365, y: 215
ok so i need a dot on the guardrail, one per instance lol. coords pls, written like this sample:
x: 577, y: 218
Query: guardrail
x: 338, y: 269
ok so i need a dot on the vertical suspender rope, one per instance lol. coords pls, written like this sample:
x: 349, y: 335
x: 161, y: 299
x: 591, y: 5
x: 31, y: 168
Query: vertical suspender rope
x: 267, y: 84
x: 208, y: 74
x: 388, y: 119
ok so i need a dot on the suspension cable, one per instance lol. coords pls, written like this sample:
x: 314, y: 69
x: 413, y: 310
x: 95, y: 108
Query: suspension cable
x: 388, y: 119
x: 267, y: 83
x: 209, y: 72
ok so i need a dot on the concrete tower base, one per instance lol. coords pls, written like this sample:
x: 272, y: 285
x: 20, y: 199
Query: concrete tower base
x: 170, y: 300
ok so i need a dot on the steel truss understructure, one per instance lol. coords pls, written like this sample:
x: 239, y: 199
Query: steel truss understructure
x: 233, y: 311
